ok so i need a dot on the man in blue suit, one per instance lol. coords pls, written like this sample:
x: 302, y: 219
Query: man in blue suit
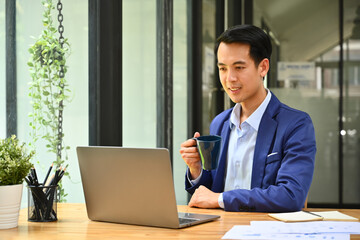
x: 268, y: 149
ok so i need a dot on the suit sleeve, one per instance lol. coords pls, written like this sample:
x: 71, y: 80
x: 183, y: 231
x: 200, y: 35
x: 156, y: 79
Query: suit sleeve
x: 205, y: 180
x: 292, y: 174
x: 207, y: 177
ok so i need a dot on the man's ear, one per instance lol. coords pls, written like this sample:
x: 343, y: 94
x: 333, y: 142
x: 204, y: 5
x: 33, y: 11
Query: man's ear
x: 263, y: 67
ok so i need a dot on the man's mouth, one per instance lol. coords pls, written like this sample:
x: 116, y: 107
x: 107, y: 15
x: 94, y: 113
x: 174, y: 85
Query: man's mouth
x: 234, y: 89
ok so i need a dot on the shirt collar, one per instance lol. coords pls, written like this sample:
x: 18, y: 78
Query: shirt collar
x: 255, y: 117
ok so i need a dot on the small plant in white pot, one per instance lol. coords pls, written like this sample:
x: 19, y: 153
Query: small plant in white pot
x: 14, y: 166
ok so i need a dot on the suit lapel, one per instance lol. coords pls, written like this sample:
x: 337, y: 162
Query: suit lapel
x: 264, y: 141
x: 219, y: 177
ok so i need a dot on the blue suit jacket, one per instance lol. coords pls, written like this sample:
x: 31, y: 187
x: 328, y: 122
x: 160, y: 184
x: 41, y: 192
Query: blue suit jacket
x: 283, y: 162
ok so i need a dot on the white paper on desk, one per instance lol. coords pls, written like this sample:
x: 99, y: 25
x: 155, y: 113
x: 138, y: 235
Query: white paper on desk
x: 307, y: 227
x: 250, y: 232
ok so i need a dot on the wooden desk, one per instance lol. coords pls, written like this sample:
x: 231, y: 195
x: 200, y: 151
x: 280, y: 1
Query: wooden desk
x: 74, y: 224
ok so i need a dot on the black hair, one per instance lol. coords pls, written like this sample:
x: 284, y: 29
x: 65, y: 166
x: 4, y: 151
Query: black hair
x: 259, y: 41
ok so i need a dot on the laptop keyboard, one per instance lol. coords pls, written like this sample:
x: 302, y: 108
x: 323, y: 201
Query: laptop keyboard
x: 187, y: 220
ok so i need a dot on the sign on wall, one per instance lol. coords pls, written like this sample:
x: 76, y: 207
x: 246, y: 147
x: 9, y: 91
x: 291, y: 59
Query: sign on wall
x: 296, y: 71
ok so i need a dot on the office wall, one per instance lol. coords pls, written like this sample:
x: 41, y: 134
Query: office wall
x: 2, y: 72
x: 75, y: 125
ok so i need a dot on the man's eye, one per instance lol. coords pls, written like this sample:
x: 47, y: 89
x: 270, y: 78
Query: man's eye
x: 240, y: 67
x: 222, y: 69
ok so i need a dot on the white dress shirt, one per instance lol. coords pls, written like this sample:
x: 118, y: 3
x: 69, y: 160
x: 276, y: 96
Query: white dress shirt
x: 240, y: 154
x: 241, y: 147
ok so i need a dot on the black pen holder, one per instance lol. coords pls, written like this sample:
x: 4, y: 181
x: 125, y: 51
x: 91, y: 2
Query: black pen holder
x: 42, y: 203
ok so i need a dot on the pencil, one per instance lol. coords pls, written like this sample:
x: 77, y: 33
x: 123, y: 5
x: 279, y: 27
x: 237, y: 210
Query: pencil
x: 47, y: 175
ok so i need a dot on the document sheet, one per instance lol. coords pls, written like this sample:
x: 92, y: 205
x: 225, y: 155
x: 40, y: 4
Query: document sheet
x: 302, y: 230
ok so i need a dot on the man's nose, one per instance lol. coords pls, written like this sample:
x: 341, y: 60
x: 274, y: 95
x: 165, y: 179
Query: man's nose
x: 231, y: 75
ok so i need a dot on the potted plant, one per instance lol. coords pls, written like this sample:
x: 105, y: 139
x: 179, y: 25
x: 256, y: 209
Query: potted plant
x: 49, y: 89
x: 14, y: 166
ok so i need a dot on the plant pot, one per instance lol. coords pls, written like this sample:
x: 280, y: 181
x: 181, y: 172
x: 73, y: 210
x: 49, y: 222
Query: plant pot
x: 10, y: 200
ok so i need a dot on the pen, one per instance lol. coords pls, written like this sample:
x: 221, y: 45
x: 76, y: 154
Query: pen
x: 28, y: 181
x: 313, y: 214
x: 34, y: 176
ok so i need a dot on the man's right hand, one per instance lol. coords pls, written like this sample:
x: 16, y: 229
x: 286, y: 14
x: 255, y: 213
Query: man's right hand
x: 191, y: 156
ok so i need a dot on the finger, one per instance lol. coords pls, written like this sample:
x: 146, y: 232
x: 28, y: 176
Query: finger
x: 190, y: 150
x: 189, y: 143
x: 191, y: 156
x: 196, y: 134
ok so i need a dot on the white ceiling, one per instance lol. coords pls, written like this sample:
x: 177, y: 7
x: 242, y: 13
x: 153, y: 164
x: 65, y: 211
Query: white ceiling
x: 306, y: 28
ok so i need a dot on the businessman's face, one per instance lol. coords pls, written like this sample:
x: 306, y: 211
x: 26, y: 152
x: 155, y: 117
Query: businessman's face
x: 240, y: 78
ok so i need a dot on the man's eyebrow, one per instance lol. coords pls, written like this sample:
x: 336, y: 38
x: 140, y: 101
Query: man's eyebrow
x: 239, y: 62
x: 234, y: 63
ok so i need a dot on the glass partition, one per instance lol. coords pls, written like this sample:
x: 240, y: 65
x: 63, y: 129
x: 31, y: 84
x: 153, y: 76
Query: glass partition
x: 2, y: 72
x: 139, y: 73
x: 209, y: 86
x: 305, y: 75
x: 180, y: 97
x: 302, y: 78
x: 139, y: 81
x: 351, y: 103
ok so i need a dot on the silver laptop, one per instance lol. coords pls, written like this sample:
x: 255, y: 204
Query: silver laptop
x: 132, y: 186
